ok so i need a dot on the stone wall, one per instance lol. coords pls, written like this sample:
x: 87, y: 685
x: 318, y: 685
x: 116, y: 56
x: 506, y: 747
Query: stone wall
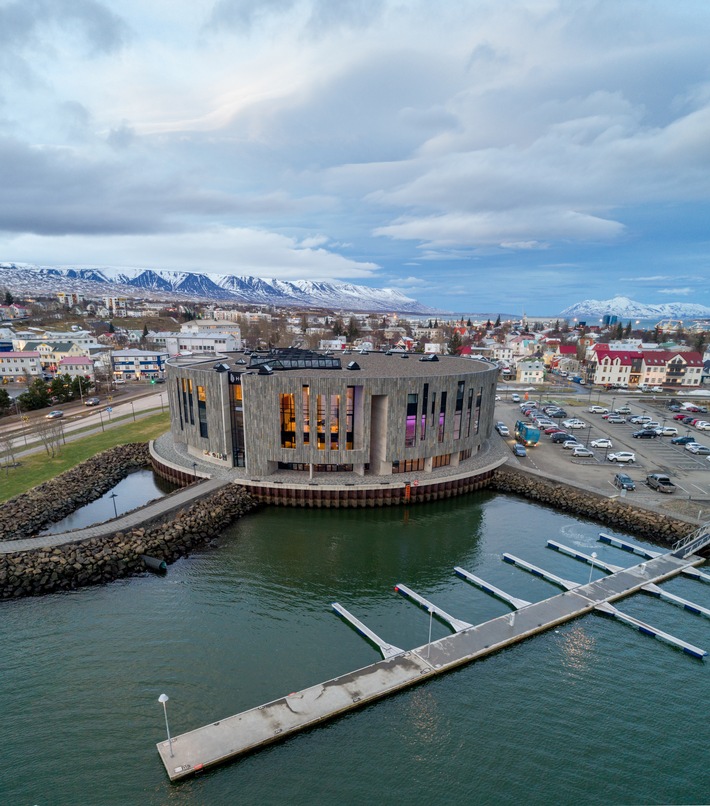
x: 104, y: 559
x: 27, y: 514
x: 611, y: 512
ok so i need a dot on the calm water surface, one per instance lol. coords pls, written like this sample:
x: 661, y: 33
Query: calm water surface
x: 137, y: 489
x: 590, y: 713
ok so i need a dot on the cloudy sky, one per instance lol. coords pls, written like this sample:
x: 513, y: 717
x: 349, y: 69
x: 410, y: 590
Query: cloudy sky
x: 478, y: 155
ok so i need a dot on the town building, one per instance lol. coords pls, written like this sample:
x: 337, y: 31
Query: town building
x: 138, y: 365
x: 208, y: 341
x: 15, y: 365
x: 303, y: 412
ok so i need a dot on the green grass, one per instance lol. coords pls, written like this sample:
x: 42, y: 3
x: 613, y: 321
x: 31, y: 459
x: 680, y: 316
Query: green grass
x: 39, y: 467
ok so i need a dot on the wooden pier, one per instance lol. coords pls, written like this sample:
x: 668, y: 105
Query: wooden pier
x: 228, y: 738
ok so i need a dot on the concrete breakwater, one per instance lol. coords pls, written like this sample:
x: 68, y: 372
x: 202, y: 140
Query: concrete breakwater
x: 117, y: 555
x: 611, y: 512
x: 27, y: 514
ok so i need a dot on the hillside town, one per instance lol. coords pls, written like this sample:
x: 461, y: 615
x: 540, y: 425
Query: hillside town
x: 100, y: 343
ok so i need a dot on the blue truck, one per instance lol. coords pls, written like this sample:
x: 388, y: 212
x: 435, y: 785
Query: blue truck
x: 578, y: 379
x: 526, y: 433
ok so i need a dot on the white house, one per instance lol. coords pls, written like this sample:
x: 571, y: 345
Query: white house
x: 202, y: 342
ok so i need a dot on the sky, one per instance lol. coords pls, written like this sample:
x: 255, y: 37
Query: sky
x: 478, y: 156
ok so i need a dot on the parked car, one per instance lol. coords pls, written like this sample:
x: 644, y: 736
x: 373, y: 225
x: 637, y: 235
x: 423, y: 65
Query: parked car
x: 597, y: 410
x: 570, y: 443
x: 574, y: 423
x: 639, y: 419
x: 667, y: 431
x: 502, y: 429
x: 660, y: 482
x: 682, y: 440
x: 92, y: 401
x: 519, y: 450
x: 624, y: 482
x: 54, y: 415
x: 703, y: 425
x: 515, y: 398
x: 622, y: 456
x: 602, y: 442
x: 698, y: 449
x: 624, y: 410
x: 561, y: 436
x: 581, y: 451
x: 552, y: 429
x: 680, y: 416
x: 616, y: 419
x: 645, y: 433
x: 560, y: 414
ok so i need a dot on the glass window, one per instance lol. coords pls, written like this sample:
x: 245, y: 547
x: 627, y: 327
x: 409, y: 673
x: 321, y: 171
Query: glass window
x: 320, y: 422
x: 202, y: 410
x: 410, y: 432
x: 458, y: 410
x: 422, y: 422
x: 334, y: 421
x: 442, y: 417
x: 349, y: 418
x: 288, y: 420
x: 306, y: 404
x: 469, y: 407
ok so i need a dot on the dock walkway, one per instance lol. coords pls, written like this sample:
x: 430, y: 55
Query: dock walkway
x: 257, y: 727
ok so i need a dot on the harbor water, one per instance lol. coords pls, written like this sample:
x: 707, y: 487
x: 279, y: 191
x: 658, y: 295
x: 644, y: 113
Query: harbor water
x: 136, y: 490
x: 591, y: 712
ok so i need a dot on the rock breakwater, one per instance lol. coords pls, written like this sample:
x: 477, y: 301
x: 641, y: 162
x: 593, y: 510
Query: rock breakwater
x: 104, y: 559
x: 611, y: 512
x: 27, y: 514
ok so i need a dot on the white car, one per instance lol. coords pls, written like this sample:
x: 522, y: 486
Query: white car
x: 574, y: 424
x: 622, y: 456
x: 696, y: 447
x: 515, y: 398
x: 667, y: 431
x: 502, y: 429
x: 571, y: 444
x: 703, y: 425
x: 580, y: 450
x: 602, y: 442
x: 597, y: 410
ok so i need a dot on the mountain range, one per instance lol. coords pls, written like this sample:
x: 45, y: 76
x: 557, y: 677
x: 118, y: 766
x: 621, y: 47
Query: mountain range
x: 23, y: 278
x: 626, y: 308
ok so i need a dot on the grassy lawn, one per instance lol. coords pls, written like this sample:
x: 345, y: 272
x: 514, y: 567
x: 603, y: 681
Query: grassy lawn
x: 39, y: 467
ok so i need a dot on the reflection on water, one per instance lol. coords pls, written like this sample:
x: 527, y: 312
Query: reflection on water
x: 137, y: 489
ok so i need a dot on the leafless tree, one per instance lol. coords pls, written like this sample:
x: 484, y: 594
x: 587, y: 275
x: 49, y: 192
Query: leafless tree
x: 7, y: 446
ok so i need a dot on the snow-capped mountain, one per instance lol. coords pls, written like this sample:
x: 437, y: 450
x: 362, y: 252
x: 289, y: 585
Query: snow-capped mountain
x: 22, y: 278
x: 626, y: 308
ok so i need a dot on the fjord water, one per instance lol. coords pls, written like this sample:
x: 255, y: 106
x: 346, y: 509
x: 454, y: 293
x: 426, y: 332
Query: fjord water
x: 592, y: 712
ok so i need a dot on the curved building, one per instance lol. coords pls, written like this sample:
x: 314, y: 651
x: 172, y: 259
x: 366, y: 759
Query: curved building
x: 373, y: 414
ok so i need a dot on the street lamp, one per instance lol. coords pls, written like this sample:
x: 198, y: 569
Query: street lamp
x: 161, y: 402
x: 194, y: 469
x: 163, y: 699
x: 113, y: 497
x: 133, y: 410
x: 594, y: 557
x: 101, y: 417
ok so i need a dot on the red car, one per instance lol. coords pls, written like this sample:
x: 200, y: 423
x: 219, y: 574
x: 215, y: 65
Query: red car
x: 680, y: 416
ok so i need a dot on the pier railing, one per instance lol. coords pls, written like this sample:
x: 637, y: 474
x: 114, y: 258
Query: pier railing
x: 694, y: 542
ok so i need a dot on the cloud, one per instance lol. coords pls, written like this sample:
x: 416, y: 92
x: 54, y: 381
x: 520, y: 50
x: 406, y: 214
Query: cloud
x: 215, y: 250
x: 676, y: 292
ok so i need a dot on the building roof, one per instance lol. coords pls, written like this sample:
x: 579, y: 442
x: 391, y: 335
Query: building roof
x: 79, y: 359
x: 371, y: 365
x: 135, y: 353
x: 20, y: 354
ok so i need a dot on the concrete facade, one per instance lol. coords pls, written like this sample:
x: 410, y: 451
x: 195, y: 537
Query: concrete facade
x: 386, y: 416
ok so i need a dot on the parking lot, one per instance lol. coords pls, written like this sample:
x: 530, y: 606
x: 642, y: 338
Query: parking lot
x: 689, y: 472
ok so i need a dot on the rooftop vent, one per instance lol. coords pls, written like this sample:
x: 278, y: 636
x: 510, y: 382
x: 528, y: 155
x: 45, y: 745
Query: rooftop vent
x: 240, y: 361
x: 430, y: 357
x: 221, y: 368
x: 404, y: 355
x: 353, y: 365
x: 265, y: 369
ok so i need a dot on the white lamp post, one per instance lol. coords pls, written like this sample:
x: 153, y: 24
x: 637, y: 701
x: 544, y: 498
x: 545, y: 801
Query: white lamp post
x: 594, y: 557
x: 164, y: 698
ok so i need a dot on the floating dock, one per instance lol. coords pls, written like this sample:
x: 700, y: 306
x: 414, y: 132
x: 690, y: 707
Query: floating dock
x: 228, y: 738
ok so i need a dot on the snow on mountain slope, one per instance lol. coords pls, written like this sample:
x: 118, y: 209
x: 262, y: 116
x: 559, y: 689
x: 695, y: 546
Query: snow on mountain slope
x: 626, y: 308
x: 112, y: 280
